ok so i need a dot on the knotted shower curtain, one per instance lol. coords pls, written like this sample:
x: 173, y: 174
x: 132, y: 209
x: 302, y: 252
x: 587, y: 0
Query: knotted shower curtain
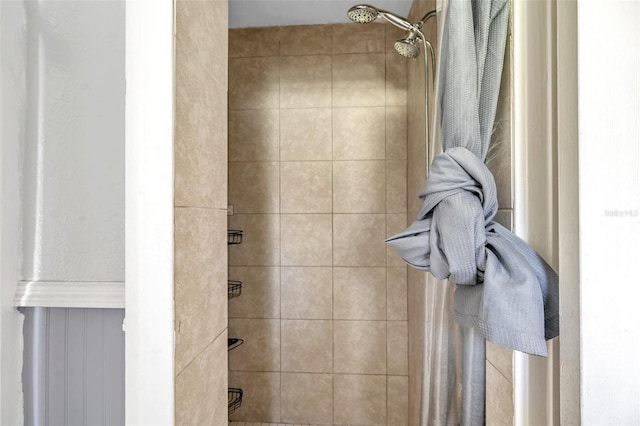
x: 505, y: 291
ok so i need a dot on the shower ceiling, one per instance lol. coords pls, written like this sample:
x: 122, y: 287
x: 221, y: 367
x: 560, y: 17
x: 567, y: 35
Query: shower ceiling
x: 266, y: 13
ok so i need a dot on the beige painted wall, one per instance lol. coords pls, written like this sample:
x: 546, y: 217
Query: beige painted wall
x: 317, y: 179
x: 201, y: 212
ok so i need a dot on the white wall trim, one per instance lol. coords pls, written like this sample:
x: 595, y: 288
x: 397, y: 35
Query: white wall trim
x: 536, y: 379
x: 77, y: 294
x: 149, y: 223
x: 568, y: 213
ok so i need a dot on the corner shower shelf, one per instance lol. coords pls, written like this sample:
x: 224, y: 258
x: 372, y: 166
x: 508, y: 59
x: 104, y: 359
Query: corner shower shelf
x: 233, y: 343
x: 235, y: 399
x: 234, y: 236
x: 235, y: 288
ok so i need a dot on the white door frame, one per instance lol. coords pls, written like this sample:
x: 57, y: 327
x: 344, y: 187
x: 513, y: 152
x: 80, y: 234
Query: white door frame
x: 536, y: 379
x: 149, y: 327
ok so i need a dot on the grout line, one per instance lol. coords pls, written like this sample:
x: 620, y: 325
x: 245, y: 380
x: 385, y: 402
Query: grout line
x: 333, y: 329
x: 200, y: 208
x: 386, y: 227
x: 280, y: 210
x: 313, y: 319
x: 205, y: 348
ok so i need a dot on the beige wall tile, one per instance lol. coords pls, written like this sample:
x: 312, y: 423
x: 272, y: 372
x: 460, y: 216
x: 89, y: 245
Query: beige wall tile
x: 397, y: 348
x: 505, y: 218
x: 260, y: 242
x: 249, y: 42
x: 261, y: 348
x: 354, y: 38
x: 200, y: 182
x: 305, y: 134
x: 499, y: 155
x: 397, y: 400
x: 305, y: 40
x: 392, y: 33
x: 359, y: 80
x: 396, y: 222
x: 307, y: 398
x: 416, y: 166
x: 261, y: 396
x: 358, y: 133
x: 307, y: 293
x: 359, y: 293
x: 396, y: 186
x: 502, y: 359
x: 396, y: 133
x: 358, y: 186
x: 254, y: 83
x: 397, y: 293
x: 306, y: 240
x: 416, y: 288
x: 200, y: 161
x: 358, y: 240
x: 499, y: 162
x: 499, y: 398
x: 359, y: 347
x: 200, y: 281
x: 305, y: 81
x: 359, y: 400
x: 396, y: 79
x: 201, y: 388
x: 201, y: 41
x: 254, y: 187
x: 254, y: 135
x: 307, y: 346
x: 306, y: 187
x: 260, y: 297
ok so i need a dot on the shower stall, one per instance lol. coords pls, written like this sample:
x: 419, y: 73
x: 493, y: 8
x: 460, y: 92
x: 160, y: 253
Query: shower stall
x: 317, y: 179
x: 328, y: 148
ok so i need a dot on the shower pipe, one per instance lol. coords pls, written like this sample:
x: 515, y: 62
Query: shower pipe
x: 406, y: 47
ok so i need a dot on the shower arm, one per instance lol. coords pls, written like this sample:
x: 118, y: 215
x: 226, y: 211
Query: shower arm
x: 426, y: 17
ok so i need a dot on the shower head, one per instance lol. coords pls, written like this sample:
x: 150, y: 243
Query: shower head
x: 408, y: 46
x: 364, y: 14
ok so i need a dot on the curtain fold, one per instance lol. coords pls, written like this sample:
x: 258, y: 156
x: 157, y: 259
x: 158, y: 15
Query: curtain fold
x: 504, y: 291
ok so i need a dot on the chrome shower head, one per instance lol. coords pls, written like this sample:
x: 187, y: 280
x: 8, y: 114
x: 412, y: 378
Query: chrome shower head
x: 407, y: 46
x: 363, y: 14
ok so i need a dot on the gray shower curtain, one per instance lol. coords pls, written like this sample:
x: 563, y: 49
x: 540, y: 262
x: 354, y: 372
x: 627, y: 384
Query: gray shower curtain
x: 505, y: 292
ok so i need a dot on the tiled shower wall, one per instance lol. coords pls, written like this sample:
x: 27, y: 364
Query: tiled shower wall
x: 499, y: 400
x: 201, y: 212
x: 317, y: 180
